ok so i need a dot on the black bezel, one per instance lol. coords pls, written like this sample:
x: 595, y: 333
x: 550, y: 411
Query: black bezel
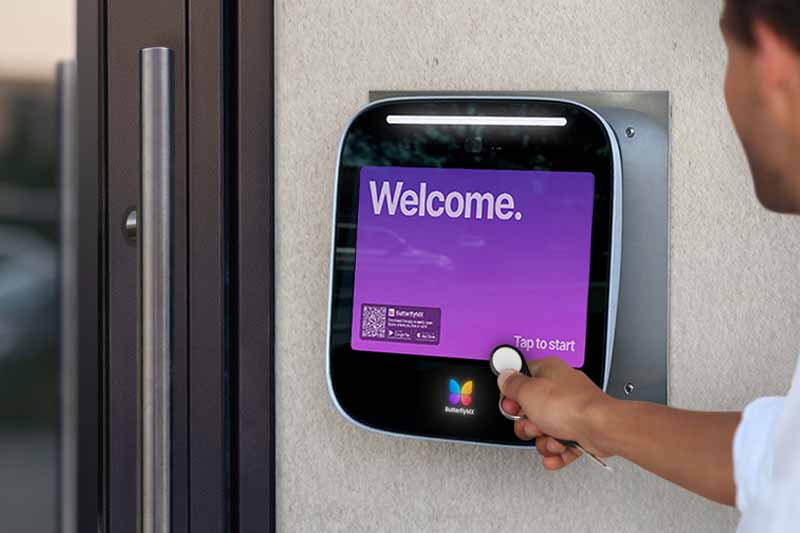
x: 404, y: 394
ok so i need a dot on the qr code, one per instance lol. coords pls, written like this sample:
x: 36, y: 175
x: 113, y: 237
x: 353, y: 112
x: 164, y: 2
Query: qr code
x: 373, y: 321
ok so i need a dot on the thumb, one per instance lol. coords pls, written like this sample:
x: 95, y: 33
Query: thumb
x: 517, y: 387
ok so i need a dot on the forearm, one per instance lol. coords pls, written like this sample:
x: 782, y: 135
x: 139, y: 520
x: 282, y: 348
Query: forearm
x: 691, y: 449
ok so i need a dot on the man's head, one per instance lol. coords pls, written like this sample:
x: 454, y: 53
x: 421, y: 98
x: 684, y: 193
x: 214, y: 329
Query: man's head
x: 762, y: 88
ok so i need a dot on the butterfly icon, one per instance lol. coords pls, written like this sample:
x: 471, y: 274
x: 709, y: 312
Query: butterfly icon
x: 460, y: 392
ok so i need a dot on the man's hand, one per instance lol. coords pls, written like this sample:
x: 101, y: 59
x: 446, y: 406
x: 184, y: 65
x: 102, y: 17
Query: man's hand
x: 559, y: 402
x: 692, y: 449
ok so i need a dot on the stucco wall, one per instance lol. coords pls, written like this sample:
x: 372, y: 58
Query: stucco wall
x: 735, y: 306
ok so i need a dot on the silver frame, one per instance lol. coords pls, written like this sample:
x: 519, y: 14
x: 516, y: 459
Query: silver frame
x: 615, y: 253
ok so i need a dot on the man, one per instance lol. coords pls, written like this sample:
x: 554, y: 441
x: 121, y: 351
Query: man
x: 750, y: 459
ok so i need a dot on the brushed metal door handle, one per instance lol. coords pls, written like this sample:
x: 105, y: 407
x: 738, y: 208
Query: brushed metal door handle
x: 155, y: 246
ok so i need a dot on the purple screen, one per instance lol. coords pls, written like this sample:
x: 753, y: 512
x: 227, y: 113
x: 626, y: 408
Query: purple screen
x: 453, y: 262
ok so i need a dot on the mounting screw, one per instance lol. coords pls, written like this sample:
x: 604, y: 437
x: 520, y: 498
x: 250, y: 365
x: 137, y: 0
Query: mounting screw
x: 630, y: 132
x: 628, y: 388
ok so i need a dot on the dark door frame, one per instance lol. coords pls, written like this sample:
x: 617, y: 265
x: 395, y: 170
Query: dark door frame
x: 223, y: 445
x: 91, y: 162
x: 254, y: 278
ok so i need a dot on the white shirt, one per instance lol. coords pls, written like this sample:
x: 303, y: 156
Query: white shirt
x: 766, y: 462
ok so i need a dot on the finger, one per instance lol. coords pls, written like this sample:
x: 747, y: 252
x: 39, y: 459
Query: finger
x: 554, y: 447
x: 526, y: 430
x: 569, y: 456
x: 553, y: 462
x: 541, y: 446
x: 519, y: 430
x: 511, y: 407
x: 531, y: 429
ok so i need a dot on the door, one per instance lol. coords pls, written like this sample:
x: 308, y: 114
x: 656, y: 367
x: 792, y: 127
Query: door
x: 176, y: 158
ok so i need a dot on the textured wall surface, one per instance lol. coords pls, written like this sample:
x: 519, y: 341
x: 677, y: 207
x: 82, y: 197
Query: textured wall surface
x: 735, y: 307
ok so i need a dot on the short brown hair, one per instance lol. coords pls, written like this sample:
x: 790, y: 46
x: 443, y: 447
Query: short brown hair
x: 782, y: 15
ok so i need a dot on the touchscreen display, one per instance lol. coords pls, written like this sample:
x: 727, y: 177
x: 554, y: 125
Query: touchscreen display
x: 453, y: 262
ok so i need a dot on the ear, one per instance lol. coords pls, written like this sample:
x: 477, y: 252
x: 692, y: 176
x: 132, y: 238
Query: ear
x: 778, y: 71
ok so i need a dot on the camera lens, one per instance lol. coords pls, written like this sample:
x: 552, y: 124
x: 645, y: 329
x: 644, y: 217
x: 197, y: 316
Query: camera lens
x: 473, y: 145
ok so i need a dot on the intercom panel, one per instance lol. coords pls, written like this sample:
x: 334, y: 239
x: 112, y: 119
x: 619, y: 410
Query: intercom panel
x: 461, y: 224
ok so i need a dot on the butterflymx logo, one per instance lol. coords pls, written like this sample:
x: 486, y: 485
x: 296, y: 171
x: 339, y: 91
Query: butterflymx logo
x: 460, y: 394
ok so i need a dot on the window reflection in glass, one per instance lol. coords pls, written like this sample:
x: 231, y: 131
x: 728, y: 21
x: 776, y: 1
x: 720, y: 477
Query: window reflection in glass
x: 33, y: 37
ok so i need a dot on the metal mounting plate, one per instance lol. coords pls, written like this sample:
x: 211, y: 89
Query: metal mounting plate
x: 641, y: 120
